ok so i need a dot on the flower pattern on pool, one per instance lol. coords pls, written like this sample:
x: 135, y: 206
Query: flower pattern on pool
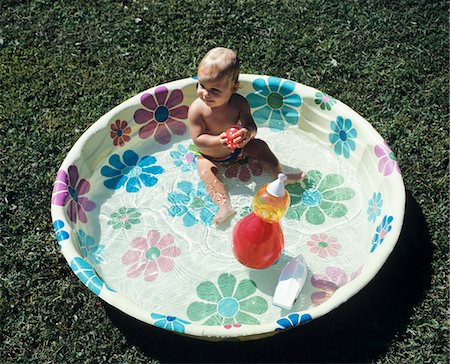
x: 323, y: 245
x: 120, y: 132
x: 151, y: 255
x: 388, y: 162
x: 125, y: 218
x: 184, y: 158
x: 90, y: 249
x: 67, y: 191
x: 227, y: 303
x: 61, y: 234
x: 245, y: 211
x: 375, y: 204
x: 194, y: 204
x: 244, y: 169
x: 325, y: 101
x: 274, y: 103
x: 86, y: 274
x: 293, y: 320
x: 381, y: 231
x: 162, y: 114
x: 329, y: 282
x: 342, y: 136
x: 171, y: 323
x: 132, y: 172
x: 317, y: 196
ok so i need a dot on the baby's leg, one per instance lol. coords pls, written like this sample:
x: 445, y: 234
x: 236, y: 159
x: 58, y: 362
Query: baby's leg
x: 259, y: 150
x: 216, y: 189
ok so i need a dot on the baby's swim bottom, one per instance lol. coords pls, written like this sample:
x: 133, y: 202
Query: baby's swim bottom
x: 233, y: 157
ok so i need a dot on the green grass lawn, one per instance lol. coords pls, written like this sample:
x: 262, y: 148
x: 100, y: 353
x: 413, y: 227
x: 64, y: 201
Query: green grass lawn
x: 63, y: 64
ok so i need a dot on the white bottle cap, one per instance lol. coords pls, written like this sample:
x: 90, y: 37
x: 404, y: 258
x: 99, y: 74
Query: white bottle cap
x: 276, y: 188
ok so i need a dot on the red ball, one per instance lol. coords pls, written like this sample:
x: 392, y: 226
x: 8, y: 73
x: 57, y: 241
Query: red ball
x: 256, y: 243
x: 230, y: 132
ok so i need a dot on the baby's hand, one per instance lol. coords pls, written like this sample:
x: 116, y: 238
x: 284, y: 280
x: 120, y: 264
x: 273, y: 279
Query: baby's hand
x: 242, y: 137
x: 225, y: 142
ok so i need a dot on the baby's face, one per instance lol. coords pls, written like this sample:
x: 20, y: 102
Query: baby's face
x: 217, y: 92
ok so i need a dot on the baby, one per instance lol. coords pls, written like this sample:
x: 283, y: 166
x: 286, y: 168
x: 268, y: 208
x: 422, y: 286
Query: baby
x: 217, y: 108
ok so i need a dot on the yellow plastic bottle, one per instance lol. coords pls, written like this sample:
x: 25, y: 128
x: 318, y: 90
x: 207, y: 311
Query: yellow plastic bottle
x: 271, y: 201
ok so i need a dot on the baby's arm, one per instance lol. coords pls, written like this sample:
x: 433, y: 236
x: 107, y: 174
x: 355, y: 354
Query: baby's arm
x: 248, y: 131
x: 202, y: 139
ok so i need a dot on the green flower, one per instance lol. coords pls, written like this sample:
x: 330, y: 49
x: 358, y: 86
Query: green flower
x: 193, y: 148
x: 245, y: 211
x: 227, y: 304
x: 124, y: 218
x: 317, y: 196
x: 324, y: 101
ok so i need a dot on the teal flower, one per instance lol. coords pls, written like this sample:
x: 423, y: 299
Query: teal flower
x: 274, y: 102
x: 375, y: 204
x: 61, y: 234
x: 227, y: 303
x: 169, y: 322
x: 193, y: 204
x: 125, y: 218
x: 184, y: 159
x: 381, y: 232
x: 90, y: 248
x: 86, y: 274
x: 133, y: 172
x: 342, y: 135
x: 325, y: 101
x: 293, y: 320
x: 317, y: 196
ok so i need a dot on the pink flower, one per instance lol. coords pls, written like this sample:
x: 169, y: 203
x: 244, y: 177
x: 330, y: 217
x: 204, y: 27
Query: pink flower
x: 329, y: 282
x: 162, y: 115
x: 66, y: 191
x: 387, y: 162
x: 151, y: 255
x: 244, y: 169
x: 120, y: 132
x: 323, y: 245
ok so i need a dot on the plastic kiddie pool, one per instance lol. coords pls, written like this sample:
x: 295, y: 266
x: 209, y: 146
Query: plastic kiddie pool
x: 134, y: 220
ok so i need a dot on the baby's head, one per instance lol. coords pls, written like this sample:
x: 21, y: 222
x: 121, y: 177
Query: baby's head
x: 219, y: 64
x: 218, y: 74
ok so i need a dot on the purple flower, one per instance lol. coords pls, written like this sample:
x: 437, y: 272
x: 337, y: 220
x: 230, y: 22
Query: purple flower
x: 162, y: 114
x: 387, y: 162
x: 67, y: 191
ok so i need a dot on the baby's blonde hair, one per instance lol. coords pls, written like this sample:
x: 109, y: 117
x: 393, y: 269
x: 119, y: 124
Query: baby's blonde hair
x: 219, y: 63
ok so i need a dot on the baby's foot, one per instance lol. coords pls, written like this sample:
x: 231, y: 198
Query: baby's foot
x: 295, y: 177
x: 225, y: 212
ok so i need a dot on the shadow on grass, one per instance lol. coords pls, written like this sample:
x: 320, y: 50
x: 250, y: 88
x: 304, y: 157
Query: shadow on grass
x: 358, y: 331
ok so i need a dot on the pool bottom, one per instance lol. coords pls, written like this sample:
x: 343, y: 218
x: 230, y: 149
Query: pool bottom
x: 158, y: 247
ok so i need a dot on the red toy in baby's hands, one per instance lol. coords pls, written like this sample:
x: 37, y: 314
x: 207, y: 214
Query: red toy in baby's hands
x: 230, y: 132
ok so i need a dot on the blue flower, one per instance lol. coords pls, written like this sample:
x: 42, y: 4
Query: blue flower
x: 89, y: 248
x: 132, y: 172
x: 342, y: 136
x: 293, y: 320
x: 61, y: 234
x: 374, y: 209
x: 193, y: 205
x: 274, y: 102
x: 184, y: 158
x: 86, y: 274
x: 381, y: 232
x: 169, y: 322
